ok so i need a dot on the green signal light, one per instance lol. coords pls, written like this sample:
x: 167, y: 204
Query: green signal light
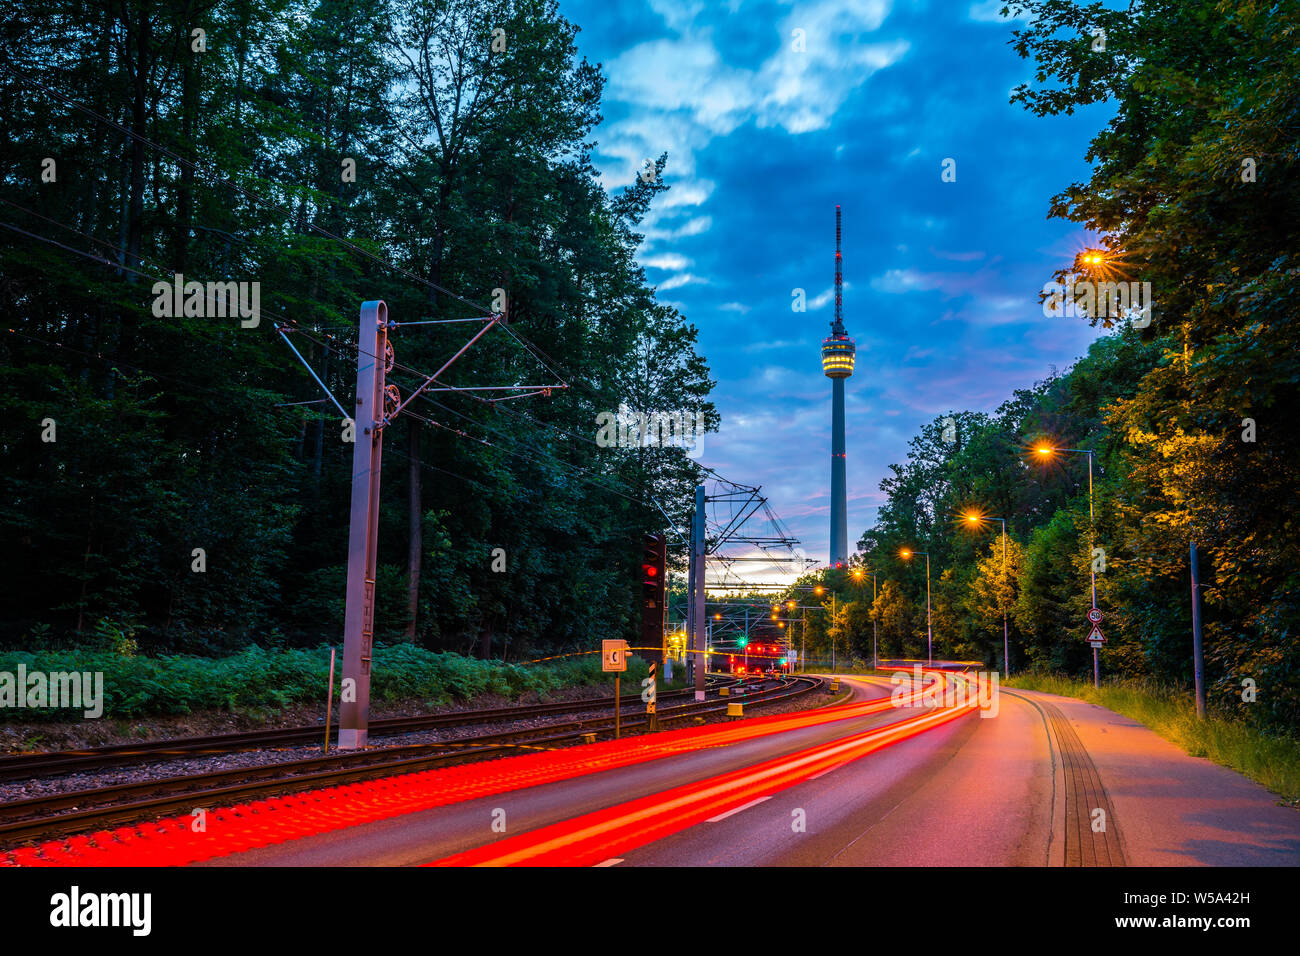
x: 742, y: 642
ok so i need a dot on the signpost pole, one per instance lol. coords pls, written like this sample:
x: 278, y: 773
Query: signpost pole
x: 613, y: 657
x: 1096, y: 639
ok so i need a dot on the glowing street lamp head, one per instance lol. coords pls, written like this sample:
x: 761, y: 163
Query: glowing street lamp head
x: 819, y: 589
x: 905, y: 554
x: 790, y: 605
x: 1045, y: 451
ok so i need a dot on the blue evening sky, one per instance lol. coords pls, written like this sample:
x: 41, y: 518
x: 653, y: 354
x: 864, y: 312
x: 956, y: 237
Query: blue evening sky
x: 941, y: 279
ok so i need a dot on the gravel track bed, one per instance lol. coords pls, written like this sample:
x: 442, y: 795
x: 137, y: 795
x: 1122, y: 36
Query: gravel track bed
x: 155, y: 770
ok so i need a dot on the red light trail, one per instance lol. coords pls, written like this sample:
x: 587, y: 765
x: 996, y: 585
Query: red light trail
x: 597, y: 836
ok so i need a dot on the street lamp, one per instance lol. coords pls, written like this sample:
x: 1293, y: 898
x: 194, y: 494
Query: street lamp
x: 859, y: 573
x: 977, y: 519
x: 1046, y: 452
x: 929, y: 630
x: 819, y: 590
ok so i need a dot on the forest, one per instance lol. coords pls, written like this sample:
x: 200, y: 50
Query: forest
x: 435, y: 155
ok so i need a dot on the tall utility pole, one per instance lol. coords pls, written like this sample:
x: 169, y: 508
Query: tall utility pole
x: 838, y: 353
x: 363, y: 535
x: 377, y: 405
x: 688, y: 641
x: 699, y: 539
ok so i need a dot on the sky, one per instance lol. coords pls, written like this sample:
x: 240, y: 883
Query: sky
x: 941, y: 279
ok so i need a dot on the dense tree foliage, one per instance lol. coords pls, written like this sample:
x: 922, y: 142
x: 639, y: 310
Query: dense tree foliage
x: 135, y: 148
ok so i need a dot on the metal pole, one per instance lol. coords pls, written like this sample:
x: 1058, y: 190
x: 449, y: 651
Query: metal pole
x: 1092, y: 573
x: 1006, y: 641
x: 329, y: 702
x: 688, y: 628
x: 1198, y: 659
x: 929, y: 629
x: 698, y: 637
x: 363, y: 535
x: 875, y: 656
x: 618, y: 705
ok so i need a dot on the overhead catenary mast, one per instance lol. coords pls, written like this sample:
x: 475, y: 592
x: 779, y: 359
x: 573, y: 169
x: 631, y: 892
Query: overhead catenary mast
x: 838, y: 352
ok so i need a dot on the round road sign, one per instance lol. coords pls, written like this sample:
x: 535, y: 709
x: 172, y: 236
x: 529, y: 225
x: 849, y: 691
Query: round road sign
x: 1094, y: 615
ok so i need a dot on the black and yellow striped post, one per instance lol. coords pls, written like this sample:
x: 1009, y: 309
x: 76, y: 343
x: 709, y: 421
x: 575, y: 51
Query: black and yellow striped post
x: 651, y: 698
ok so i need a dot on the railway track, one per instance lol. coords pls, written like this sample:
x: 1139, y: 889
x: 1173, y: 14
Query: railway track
x: 62, y: 813
x: 27, y: 766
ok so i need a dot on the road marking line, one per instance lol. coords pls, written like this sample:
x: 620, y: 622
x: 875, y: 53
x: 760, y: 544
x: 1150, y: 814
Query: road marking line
x: 826, y: 771
x: 612, y: 861
x: 723, y: 816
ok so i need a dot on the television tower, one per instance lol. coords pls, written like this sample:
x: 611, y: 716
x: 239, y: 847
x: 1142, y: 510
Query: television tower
x: 838, y: 353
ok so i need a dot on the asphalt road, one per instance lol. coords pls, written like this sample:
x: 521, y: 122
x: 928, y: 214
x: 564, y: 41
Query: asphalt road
x: 1048, y: 781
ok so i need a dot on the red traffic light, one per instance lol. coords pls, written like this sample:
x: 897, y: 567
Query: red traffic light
x: 650, y: 570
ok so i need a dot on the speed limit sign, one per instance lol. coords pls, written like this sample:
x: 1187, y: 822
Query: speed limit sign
x: 1094, y: 616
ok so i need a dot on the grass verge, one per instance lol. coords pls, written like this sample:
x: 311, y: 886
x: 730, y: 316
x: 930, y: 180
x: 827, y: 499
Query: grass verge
x: 1271, y: 760
x: 261, y: 679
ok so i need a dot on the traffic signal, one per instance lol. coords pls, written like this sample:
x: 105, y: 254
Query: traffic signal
x: 654, y: 566
x: 742, y: 641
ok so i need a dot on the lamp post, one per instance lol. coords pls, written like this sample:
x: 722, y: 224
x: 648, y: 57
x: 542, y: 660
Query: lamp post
x: 976, y: 519
x: 789, y: 639
x: 858, y: 573
x: 929, y: 630
x: 1046, y: 451
x: 818, y: 590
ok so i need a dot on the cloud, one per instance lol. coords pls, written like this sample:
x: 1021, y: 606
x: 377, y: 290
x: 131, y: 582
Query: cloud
x: 677, y: 281
x: 693, y: 227
x: 957, y: 256
x: 775, y: 344
x: 671, y: 261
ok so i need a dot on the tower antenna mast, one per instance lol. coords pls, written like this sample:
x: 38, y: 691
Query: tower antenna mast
x: 838, y: 326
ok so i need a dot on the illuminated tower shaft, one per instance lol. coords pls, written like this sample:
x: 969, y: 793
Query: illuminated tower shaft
x: 838, y: 352
x: 839, y: 479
